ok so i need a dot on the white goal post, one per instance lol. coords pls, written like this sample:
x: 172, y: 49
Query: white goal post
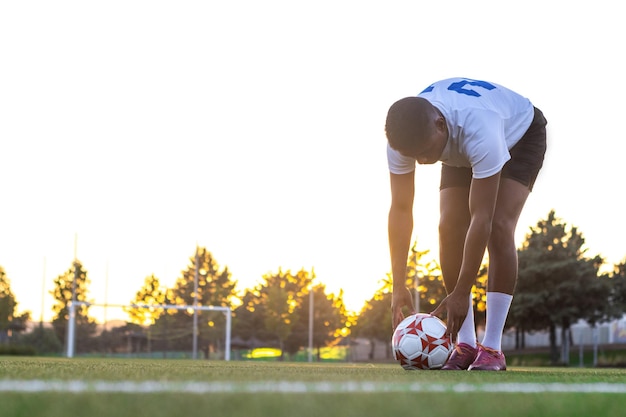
x: 71, y: 325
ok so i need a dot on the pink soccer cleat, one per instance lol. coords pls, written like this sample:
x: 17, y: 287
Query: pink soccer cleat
x: 488, y: 360
x: 461, y: 358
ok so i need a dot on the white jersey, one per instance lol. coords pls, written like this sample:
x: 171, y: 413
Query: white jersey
x: 485, y: 120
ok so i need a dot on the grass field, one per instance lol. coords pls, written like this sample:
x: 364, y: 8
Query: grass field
x: 55, y: 387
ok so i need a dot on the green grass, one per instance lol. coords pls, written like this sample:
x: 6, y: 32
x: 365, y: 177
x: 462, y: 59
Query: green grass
x: 607, y: 356
x: 449, y: 401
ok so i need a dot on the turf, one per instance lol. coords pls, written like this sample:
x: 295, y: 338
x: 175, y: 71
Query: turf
x: 279, y: 389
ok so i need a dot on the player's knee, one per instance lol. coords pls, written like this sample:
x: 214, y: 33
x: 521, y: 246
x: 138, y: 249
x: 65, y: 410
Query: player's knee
x: 451, y: 226
x: 502, y: 233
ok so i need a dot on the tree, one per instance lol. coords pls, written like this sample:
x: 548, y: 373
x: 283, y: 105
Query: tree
x: 331, y: 321
x: 275, y: 313
x: 215, y: 288
x: 557, y: 284
x: 429, y: 280
x: 374, y: 321
x: 248, y: 322
x: 43, y: 339
x: 73, y: 286
x: 617, y: 280
x: 150, y: 294
x: 282, y: 292
x: 9, y: 321
x: 432, y: 291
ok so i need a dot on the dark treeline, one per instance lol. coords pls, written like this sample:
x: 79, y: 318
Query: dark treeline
x: 558, y: 285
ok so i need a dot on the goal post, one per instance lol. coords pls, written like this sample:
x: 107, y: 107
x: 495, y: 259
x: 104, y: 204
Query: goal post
x: 71, y: 326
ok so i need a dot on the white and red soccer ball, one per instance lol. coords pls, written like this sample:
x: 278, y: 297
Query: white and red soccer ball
x: 420, y: 342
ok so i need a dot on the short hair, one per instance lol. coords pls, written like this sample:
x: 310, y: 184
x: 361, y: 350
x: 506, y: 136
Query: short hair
x: 409, y: 120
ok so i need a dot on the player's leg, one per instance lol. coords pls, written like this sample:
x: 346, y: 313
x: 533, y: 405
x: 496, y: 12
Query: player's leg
x: 502, y: 273
x: 512, y: 196
x: 518, y: 178
x: 453, y: 224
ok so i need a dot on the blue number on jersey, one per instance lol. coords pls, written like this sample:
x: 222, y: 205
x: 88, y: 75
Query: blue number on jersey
x: 458, y: 87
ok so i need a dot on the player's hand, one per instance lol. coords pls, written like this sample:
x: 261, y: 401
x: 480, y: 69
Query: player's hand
x: 401, y: 298
x: 455, y: 306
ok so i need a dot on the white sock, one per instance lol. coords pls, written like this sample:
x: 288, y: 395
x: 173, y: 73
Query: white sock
x: 498, y: 304
x: 467, y: 333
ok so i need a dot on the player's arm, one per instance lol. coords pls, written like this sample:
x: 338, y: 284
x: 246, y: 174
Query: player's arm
x: 400, y: 227
x: 482, y: 203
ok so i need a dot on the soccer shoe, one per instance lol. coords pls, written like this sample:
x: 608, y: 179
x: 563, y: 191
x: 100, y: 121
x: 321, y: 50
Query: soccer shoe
x: 488, y: 360
x: 461, y: 358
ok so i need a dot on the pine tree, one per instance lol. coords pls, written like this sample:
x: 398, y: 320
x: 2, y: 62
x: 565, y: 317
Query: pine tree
x: 557, y: 283
x: 73, y: 286
x: 9, y: 321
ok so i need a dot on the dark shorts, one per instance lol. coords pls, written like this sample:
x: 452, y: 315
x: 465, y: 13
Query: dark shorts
x: 524, y: 165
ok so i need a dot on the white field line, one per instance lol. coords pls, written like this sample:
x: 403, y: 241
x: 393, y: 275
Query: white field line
x: 190, y: 387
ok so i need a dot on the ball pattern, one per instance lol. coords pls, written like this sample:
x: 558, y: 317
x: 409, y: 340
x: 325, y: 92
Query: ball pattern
x: 420, y: 342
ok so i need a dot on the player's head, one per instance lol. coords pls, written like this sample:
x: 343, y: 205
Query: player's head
x: 415, y: 128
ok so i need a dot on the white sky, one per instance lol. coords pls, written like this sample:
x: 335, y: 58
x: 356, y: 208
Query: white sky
x: 255, y: 129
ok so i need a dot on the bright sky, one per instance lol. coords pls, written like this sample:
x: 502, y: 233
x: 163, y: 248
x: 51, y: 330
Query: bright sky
x: 255, y: 129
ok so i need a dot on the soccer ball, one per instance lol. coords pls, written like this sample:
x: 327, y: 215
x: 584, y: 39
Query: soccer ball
x: 420, y: 342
